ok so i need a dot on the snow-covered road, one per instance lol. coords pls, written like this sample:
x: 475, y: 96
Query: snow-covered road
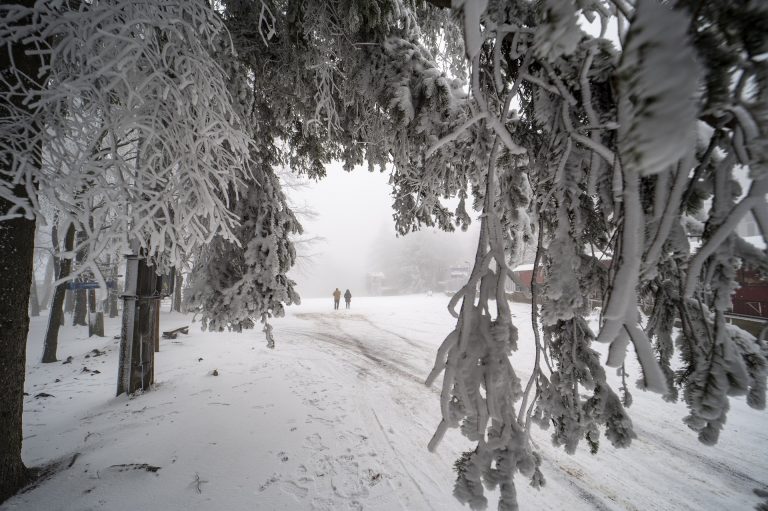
x: 336, y: 417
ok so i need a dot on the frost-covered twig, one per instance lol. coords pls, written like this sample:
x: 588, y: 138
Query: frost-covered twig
x: 670, y: 215
x: 454, y: 134
x: 524, y: 407
x: 151, y: 75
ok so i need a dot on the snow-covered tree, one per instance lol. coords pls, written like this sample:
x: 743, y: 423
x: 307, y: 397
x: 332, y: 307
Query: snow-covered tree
x: 621, y: 142
x: 118, y: 114
x: 589, y: 147
x: 233, y: 285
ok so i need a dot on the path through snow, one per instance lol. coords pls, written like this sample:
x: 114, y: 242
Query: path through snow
x: 336, y: 417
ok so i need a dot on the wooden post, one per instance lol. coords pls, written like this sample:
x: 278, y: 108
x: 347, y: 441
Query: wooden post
x: 139, y: 335
x: 141, y: 299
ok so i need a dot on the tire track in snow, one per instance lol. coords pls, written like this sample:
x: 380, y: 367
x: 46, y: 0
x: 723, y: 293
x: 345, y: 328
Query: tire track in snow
x: 410, y: 342
x: 572, y: 482
x: 397, y: 369
x: 338, y: 320
x: 354, y: 347
x: 400, y: 460
x: 394, y: 371
x: 722, y: 471
x: 581, y: 488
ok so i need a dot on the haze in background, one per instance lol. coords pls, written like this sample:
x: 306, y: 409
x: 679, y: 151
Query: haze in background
x: 353, y: 216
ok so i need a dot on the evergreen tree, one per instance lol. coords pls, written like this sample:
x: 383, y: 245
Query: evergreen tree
x: 586, y: 145
x: 85, y: 87
x: 235, y: 284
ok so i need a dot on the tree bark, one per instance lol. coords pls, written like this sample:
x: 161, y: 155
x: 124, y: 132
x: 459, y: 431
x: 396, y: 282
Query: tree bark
x: 113, y: 296
x: 50, y: 274
x: 55, y: 319
x: 156, y: 327
x: 179, y: 281
x: 17, y: 246
x: 79, y: 317
x: 93, y: 316
x: 112, y: 292
x: 17, y: 241
x: 34, y: 303
x: 69, y: 301
x: 81, y: 307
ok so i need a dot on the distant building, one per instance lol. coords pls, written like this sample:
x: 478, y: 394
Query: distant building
x: 519, y: 289
x: 374, y: 282
x: 748, y: 227
x: 457, y: 276
x: 751, y: 297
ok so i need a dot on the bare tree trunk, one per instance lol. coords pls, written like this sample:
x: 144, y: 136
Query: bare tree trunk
x: 112, y: 294
x: 34, y: 304
x: 17, y: 240
x: 113, y: 312
x: 17, y: 247
x: 55, y: 319
x: 79, y: 318
x: 69, y: 301
x: 50, y: 273
x: 156, y: 329
x: 95, y: 317
x: 81, y: 307
x: 179, y: 281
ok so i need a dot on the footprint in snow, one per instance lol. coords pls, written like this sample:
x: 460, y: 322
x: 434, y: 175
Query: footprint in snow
x: 269, y: 482
x: 315, y: 441
x: 294, y: 489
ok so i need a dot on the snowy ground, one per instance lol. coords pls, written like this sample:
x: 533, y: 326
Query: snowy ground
x: 336, y: 417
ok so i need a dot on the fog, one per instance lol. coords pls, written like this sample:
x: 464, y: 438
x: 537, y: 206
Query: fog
x: 353, y: 217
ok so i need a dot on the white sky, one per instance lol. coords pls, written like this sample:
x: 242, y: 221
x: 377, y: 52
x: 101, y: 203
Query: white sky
x: 354, y: 210
x: 351, y: 208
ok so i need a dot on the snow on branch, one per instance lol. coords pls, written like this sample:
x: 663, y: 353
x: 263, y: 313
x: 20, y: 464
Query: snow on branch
x: 616, y: 144
x: 141, y: 139
x: 657, y: 117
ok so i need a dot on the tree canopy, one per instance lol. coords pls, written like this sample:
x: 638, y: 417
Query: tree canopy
x: 166, y: 123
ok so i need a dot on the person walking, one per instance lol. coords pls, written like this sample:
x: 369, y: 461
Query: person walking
x: 347, y: 297
x: 336, y: 298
